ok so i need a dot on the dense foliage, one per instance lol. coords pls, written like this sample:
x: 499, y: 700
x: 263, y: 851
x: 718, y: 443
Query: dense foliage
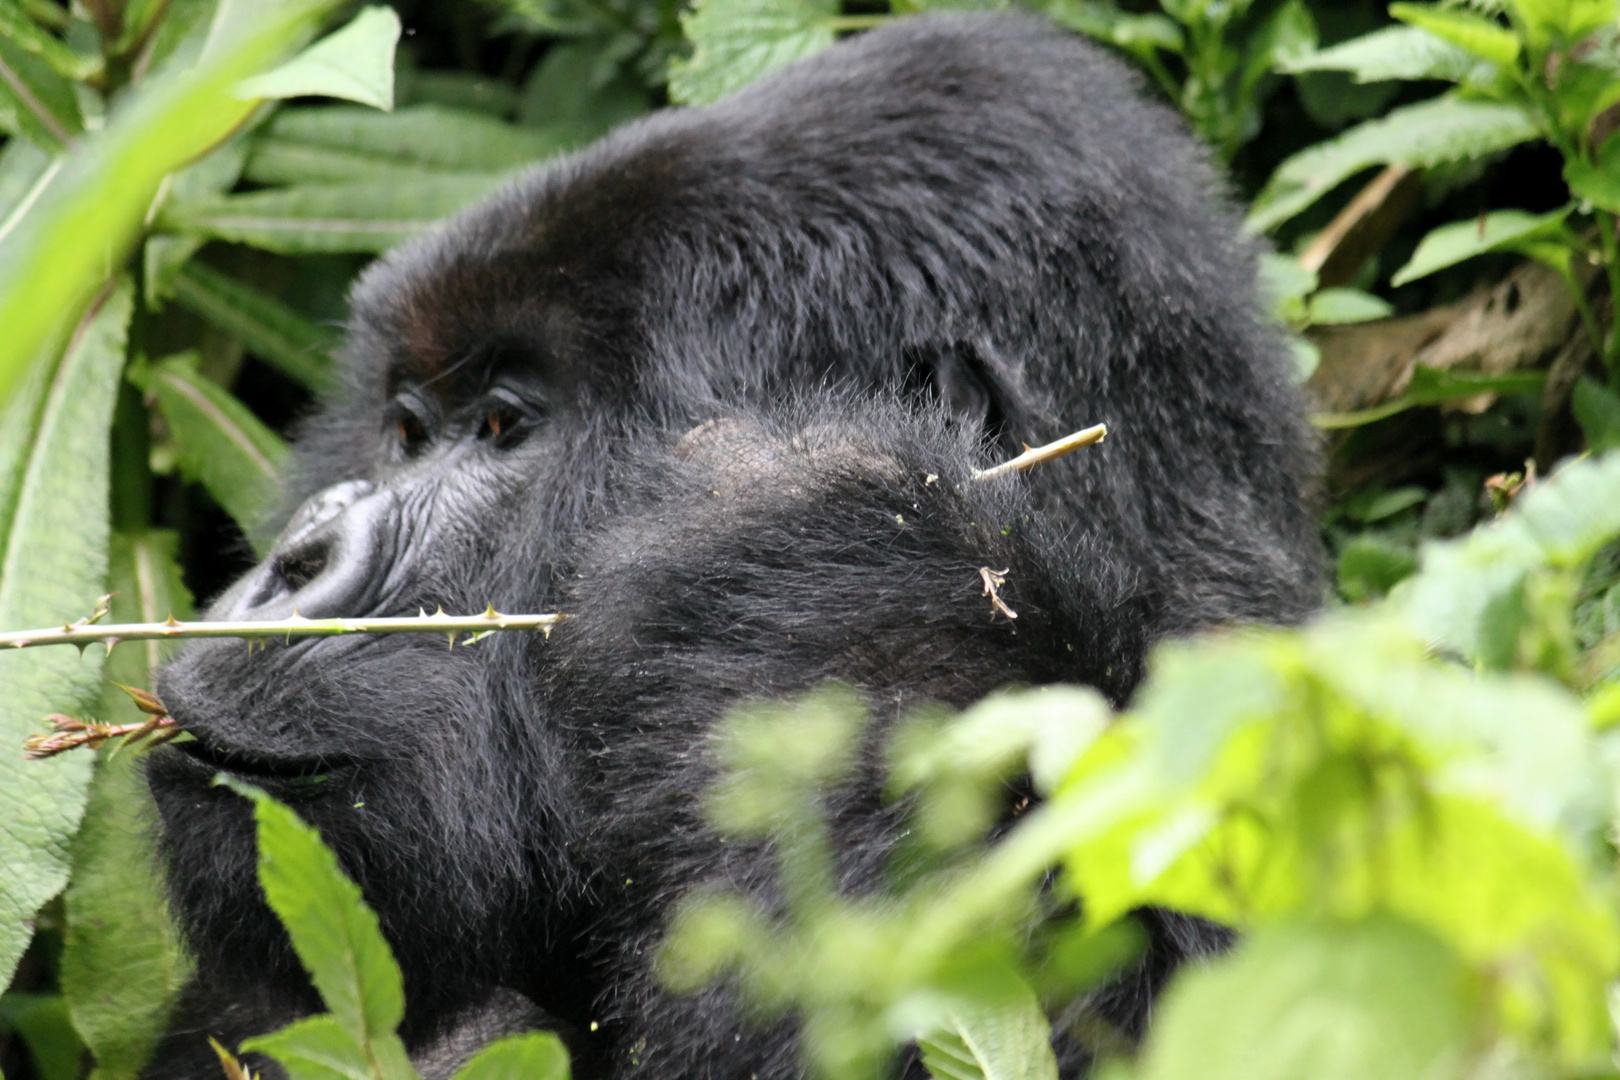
x: 1407, y: 807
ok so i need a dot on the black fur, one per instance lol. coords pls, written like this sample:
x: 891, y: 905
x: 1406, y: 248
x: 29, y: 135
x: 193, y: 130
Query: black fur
x: 715, y: 387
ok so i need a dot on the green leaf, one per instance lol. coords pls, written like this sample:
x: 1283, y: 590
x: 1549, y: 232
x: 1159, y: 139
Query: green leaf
x: 344, y: 144
x: 315, y: 1048
x: 26, y: 35
x: 1377, y: 1000
x: 469, y: 90
x: 1597, y: 182
x: 355, y: 63
x: 122, y: 961
x: 535, y: 1056
x: 222, y: 444
x: 1503, y: 230
x: 337, y: 938
x: 42, y: 1020
x: 1470, y: 584
x: 1370, y: 565
x: 1480, y: 35
x: 1395, y: 52
x: 577, y: 87
x: 23, y: 169
x: 1597, y: 410
x: 1138, y: 34
x: 1445, y: 129
x: 35, y: 101
x: 1008, y: 1039
x: 1286, y: 284
x: 163, y: 256
x: 268, y: 328
x: 348, y: 217
x: 1433, y: 387
x: 735, y: 42
x: 53, y: 528
x: 1569, y: 20
x: 1336, y: 306
x: 55, y: 260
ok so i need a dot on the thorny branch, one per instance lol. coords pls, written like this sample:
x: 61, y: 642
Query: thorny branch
x: 83, y: 633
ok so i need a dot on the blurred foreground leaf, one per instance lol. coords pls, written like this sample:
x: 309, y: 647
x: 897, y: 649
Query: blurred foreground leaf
x: 1378, y: 1000
x: 85, y: 223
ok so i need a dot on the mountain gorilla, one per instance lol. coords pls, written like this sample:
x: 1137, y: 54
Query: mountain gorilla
x: 715, y: 388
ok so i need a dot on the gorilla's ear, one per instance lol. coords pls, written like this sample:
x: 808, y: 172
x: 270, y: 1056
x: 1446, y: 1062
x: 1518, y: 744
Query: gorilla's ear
x: 960, y: 377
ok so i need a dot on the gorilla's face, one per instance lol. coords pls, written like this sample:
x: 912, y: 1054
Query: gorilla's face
x: 424, y: 766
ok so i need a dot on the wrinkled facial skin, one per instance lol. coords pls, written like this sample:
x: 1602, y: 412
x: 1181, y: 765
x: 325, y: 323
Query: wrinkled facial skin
x: 390, y: 744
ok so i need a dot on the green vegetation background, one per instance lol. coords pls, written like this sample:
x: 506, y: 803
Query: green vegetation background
x: 1408, y: 808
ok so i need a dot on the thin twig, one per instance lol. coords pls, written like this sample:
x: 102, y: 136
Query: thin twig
x: 82, y: 634
x: 1042, y: 454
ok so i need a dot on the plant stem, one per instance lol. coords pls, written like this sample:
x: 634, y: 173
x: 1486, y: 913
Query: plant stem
x: 297, y: 626
x: 1611, y: 263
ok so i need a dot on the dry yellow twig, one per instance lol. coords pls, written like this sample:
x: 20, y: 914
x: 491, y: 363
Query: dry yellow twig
x: 1042, y: 454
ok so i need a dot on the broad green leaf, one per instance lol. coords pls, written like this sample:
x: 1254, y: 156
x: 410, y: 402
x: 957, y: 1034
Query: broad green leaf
x: 1597, y: 182
x: 23, y: 171
x: 1479, y: 34
x: 268, y: 328
x: 122, y: 961
x: 1469, y: 584
x: 577, y: 87
x: 1007, y: 1039
x: 56, y: 259
x: 18, y: 30
x: 53, y: 566
x: 347, y: 217
x: 1377, y: 1000
x: 535, y: 1056
x: 1569, y: 20
x: 346, y: 145
x: 42, y: 1021
x: 1503, y: 230
x: 735, y: 42
x: 468, y: 90
x: 1445, y: 129
x: 355, y: 63
x: 1336, y: 306
x: 1432, y: 387
x: 1370, y: 565
x: 315, y: 1048
x: 223, y: 446
x: 35, y: 101
x: 1395, y: 52
x: 163, y: 255
x: 1597, y: 410
x: 335, y: 935
x: 1138, y: 34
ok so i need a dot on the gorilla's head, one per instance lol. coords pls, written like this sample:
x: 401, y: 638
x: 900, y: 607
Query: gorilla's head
x: 971, y: 225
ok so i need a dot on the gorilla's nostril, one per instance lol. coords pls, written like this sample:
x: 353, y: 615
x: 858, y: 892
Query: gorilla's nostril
x: 298, y: 568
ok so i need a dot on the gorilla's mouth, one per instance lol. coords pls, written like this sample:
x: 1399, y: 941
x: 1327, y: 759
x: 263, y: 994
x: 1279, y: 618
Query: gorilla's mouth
x: 252, y: 766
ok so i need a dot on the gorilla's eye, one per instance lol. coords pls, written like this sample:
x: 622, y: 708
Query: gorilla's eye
x: 506, y: 418
x: 412, y: 424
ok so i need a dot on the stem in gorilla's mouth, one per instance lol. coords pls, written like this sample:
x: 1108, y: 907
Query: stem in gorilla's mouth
x: 70, y: 734
x: 83, y: 633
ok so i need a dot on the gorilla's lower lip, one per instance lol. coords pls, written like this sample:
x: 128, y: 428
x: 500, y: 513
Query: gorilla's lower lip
x: 257, y: 767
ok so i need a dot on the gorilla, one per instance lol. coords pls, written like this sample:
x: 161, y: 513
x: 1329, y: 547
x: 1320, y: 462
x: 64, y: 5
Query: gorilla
x: 715, y: 387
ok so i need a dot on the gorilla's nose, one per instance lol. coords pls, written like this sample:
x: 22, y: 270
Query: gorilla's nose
x: 329, y: 560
